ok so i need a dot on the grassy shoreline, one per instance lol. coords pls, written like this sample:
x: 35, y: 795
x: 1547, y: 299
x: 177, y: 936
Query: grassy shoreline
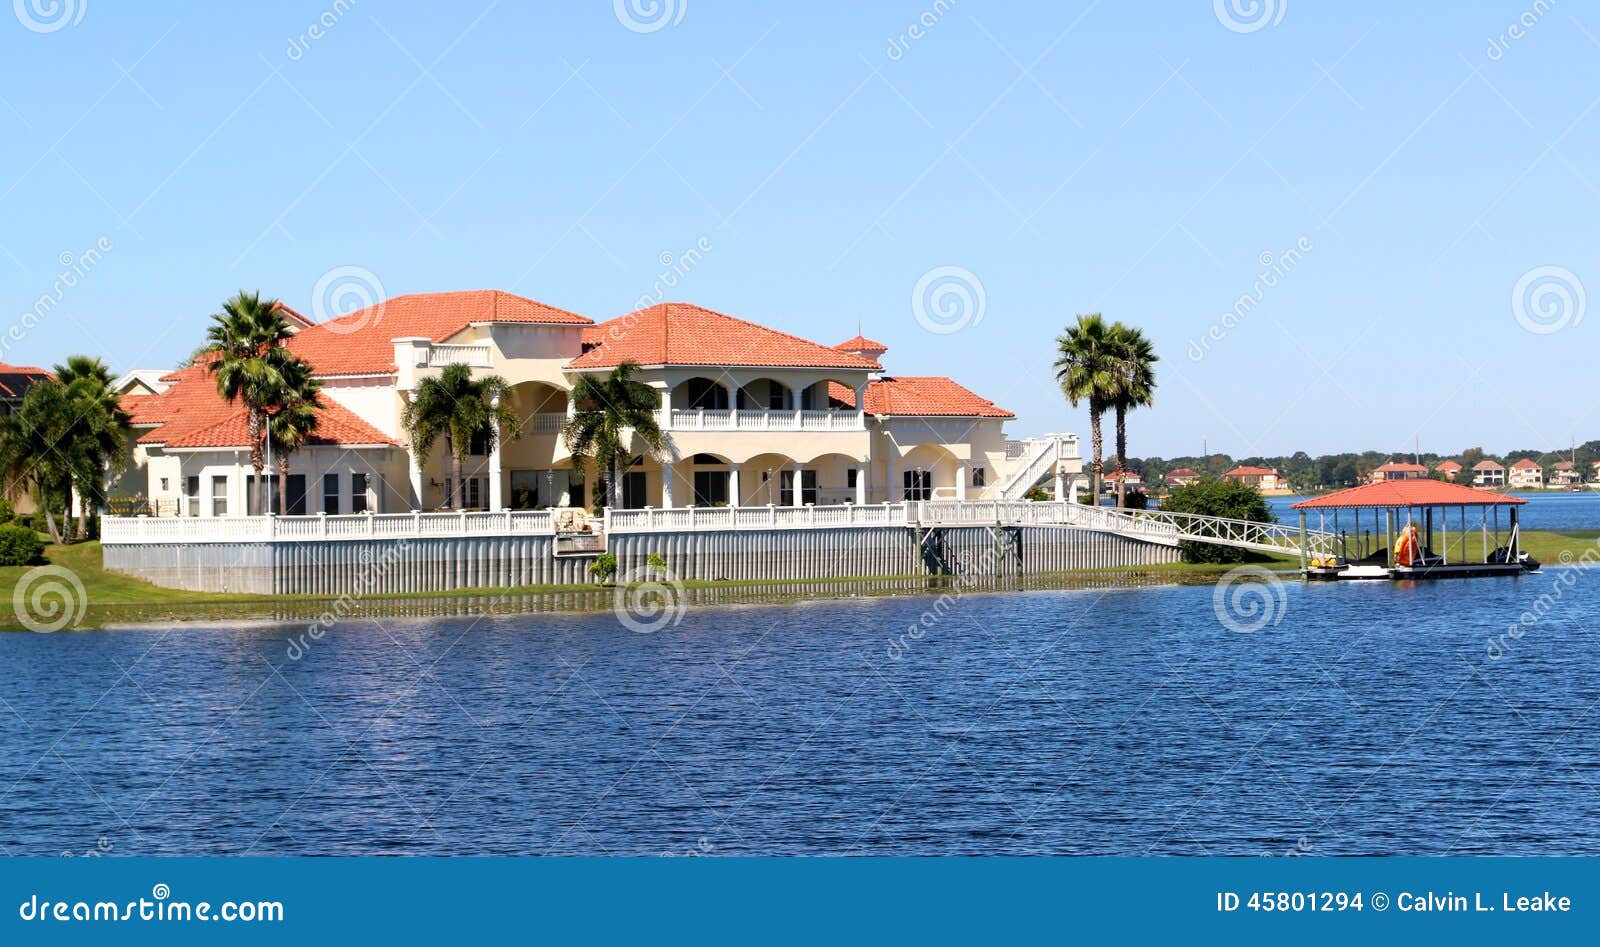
x: 119, y: 599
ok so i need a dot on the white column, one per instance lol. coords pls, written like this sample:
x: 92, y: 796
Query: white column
x: 798, y: 496
x: 961, y: 481
x: 666, y: 484
x: 734, y: 496
x: 1063, y: 492
x: 861, y: 404
x: 415, y: 468
x: 496, y: 498
x: 861, y: 486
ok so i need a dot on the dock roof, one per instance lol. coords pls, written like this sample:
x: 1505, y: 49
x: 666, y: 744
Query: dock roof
x: 1404, y: 493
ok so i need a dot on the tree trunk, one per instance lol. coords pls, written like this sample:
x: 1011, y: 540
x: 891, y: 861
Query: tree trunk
x: 449, y: 451
x: 50, y: 522
x: 1122, y: 456
x: 257, y: 462
x: 613, y: 485
x: 1096, y: 447
x: 283, y: 482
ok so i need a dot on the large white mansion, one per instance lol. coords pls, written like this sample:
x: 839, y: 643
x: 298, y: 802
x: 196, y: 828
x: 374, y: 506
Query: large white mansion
x: 755, y: 417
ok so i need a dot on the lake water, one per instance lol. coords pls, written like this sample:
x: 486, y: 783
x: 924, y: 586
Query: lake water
x: 1370, y: 719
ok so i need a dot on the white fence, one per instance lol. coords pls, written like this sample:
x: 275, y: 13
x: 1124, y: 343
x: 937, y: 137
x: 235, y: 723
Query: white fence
x: 1153, y: 526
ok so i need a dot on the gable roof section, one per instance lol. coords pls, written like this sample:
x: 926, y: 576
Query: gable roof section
x: 192, y: 414
x: 1252, y: 472
x: 359, y: 344
x: 1400, y: 467
x: 682, y: 334
x: 919, y: 396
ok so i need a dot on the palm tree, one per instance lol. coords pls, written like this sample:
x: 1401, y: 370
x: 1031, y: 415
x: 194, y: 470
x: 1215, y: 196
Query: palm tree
x: 292, y: 421
x: 1135, y: 388
x: 246, y: 354
x: 607, y: 408
x: 1086, y: 369
x: 98, y: 431
x: 459, y: 408
x: 33, y: 451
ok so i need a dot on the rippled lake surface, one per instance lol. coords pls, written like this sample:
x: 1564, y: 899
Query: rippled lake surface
x: 1370, y: 720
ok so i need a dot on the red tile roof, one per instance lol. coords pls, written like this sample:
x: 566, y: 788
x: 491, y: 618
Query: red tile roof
x: 924, y: 396
x: 1448, y: 465
x: 1563, y: 465
x: 1401, y: 493
x: 1400, y: 467
x: 192, y: 414
x: 359, y: 344
x: 1487, y: 464
x: 15, y: 380
x: 1251, y: 472
x: 1525, y: 464
x: 1182, y: 473
x: 682, y: 334
x: 861, y: 344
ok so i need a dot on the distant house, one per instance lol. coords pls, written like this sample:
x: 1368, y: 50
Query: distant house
x: 15, y: 380
x: 1398, y: 471
x: 1527, y: 473
x: 1449, y: 469
x: 1181, y: 477
x: 1262, y: 478
x: 1488, y: 473
x: 1565, y: 474
x: 1134, y: 479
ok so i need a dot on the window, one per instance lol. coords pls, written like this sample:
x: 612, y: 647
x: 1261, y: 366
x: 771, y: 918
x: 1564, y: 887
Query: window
x: 191, y: 492
x: 479, y: 445
x: 165, y: 484
x: 219, y: 496
x: 358, y: 492
x: 633, y: 490
x: 777, y: 396
x: 705, y: 393
x: 852, y: 477
x: 252, y: 498
x: 918, y: 484
x: 808, y: 487
x: 474, y: 498
x: 297, y: 495
x: 330, y: 494
x: 710, y: 488
x: 978, y: 477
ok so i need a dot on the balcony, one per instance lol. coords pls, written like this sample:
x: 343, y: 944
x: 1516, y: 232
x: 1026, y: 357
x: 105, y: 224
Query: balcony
x: 478, y: 355
x: 698, y: 419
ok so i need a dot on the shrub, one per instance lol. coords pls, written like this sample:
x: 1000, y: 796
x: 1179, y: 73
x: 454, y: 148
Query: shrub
x: 604, y: 567
x: 1227, y: 498
x: 656, y: 561
x: 1137, y: 500
x: 19, y: 545
x: 7, y: 512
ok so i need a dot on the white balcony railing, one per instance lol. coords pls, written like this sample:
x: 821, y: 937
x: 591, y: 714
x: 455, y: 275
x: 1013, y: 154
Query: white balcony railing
x: 703, y: 419
x: 476, y: 355
x: 544, y: 423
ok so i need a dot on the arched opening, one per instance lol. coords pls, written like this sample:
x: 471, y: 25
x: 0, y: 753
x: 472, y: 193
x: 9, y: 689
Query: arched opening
x: 538, y: 474
x: 772, y: 479
x: 926, y: 472
x: 700, y: 394
x: 840, y: 479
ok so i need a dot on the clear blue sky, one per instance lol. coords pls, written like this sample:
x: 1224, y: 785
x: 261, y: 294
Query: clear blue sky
x: 1071, y: 156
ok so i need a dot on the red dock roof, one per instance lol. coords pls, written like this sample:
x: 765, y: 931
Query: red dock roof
x: 1403, y: 493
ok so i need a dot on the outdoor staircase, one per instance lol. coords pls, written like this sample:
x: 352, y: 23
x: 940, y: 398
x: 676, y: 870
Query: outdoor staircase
x: 1039, y: 457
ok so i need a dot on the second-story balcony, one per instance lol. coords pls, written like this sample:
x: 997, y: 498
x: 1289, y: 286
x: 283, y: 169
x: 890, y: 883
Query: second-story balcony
x: 476, y: 355
x: 728, y: 419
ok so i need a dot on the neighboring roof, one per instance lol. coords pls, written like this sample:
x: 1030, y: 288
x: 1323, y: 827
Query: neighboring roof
x: 359, y: 344
x: 861, y: 344
x: 1400, y: 467
x: 15, y: 380
x: 1448, y: 465
x: 1251, y: 472
x: 148, y: 379
x: 1181, y: 473
x: 1563, y: 465
x: 191, y: 413
x: 1402, y: 493
x: 1525, y: 464
x: 921, y: 396
x: 682, y: 334
x: 295, y: 319
x: 1487, y: 464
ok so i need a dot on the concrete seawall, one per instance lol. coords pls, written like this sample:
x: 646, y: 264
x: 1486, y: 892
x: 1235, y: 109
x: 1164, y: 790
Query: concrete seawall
x: 432, y: 564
